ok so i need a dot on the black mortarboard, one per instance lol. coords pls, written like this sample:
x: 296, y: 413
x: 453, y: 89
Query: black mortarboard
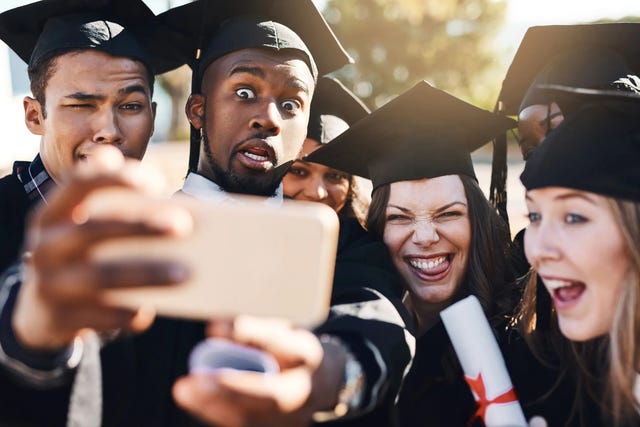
x: 596, y: 148
x: 334, y: 108
x: 213, y: 28
x: 590, y: 55
x: 117, y: 27
x: 423, y: 133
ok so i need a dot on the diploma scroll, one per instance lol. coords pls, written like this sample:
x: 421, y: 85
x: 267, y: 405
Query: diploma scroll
x: 483, y: 365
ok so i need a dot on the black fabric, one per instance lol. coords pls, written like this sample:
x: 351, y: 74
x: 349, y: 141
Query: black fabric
x: 138, y: 371
x: 14, y: 205
x: 117, y: 27
x: 423, y: 133
x: 210, y: 30
x: 542, y: 45
x: 595, y: 149
x: 333, y: 109
x: 435, y: 393
x: 595, y: 68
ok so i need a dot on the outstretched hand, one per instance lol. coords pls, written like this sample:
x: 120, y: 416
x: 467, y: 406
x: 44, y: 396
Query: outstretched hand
x: 61, y: 293
x: 309, y: 378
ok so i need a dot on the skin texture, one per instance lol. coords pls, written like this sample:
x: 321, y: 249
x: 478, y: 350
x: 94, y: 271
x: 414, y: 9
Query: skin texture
x: 255, y: 102
x: 426, y: 228
x: 314, y: 182
x: 573, y: 237
x: 532, y: 126
x: 92, y: 98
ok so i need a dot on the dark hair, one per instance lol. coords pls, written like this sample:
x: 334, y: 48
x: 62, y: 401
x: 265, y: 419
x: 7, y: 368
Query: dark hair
x: 488, y: 275
x: 42, y: 70
x: 358, y: 200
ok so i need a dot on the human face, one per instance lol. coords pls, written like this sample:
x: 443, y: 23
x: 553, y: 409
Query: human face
x: 91, y: 98
x: 577, y: 248
x: 253, y: 112
x: 533, y: 125
x: 428, y: 233
x: 314, y: 182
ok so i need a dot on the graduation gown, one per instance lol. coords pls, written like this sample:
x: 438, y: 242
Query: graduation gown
x: 14, y: 206
x: 138, y: 371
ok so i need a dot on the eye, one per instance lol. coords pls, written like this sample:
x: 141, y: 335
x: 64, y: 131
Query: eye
x: 291, y: 105
x: 78, y: 106
x: 533, y: 217
x: 574, y: 219
x: 299, y: 172
x: 336, y: 176
x: 245, y: 93
x: 397, y: 219
x: 133, y: 106
x: 450, y: 214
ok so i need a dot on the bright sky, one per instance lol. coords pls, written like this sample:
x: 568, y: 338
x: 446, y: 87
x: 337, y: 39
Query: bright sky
x: 521, y: 14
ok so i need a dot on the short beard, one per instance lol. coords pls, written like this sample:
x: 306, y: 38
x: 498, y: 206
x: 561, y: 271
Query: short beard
x: 264, y: 185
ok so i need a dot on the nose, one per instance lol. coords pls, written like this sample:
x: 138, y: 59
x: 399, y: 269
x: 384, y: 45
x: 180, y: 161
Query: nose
x: 315, y: 190
x: 425, y: 233
x: 267, y: 119
x: 540, y: 244
x: 107, y: 129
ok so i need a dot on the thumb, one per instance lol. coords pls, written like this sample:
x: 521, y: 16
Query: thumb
x: 537, y: 421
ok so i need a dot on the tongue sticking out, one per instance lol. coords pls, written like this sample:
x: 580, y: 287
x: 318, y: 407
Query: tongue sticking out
x: 568, y: 293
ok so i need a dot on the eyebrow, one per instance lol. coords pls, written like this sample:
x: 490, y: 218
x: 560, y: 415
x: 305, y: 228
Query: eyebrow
x: 569, y: 195
x: 254, y: 71
x: 438, y: 210
x: 292, y: 82
x: 83, y: 96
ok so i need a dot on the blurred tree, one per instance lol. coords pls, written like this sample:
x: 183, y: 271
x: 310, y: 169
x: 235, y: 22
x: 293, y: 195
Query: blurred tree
x: 449, y: 43
x: 177, y: 85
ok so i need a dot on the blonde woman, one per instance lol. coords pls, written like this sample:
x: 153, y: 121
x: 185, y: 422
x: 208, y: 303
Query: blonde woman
x: 583, y: 197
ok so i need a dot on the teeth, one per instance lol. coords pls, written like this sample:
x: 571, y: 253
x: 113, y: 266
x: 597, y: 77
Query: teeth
x: 427, y: 265
x: 256, y: 157
x: 556, y: 284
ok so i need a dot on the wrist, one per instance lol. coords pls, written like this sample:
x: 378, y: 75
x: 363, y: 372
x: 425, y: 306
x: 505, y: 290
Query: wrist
x: 347, y: 387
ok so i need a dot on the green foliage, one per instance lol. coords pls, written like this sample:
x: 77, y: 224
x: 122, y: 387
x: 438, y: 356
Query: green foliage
x: 396, y: 43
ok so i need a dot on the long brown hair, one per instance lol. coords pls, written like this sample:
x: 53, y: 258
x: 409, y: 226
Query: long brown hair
x: 604, y: 369
x: 488, y: 274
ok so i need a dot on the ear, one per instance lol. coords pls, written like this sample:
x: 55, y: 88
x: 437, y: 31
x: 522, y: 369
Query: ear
x: 195, y: 110
x: 153, y: 117
x: 33, y: 117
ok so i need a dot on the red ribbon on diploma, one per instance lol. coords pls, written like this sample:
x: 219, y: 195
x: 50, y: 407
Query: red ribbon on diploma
x: 477, y: 385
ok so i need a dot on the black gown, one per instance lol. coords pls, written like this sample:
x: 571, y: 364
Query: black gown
x: 138, y: 371
x: 14, y: 206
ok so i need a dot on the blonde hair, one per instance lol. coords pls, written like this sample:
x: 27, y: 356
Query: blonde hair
x: 606, y: 366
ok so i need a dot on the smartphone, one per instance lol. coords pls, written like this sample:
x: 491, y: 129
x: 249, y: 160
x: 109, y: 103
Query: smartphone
x: 243, y: 257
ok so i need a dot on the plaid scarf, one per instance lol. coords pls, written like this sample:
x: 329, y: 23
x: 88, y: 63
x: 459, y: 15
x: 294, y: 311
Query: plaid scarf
x: 35, y: 179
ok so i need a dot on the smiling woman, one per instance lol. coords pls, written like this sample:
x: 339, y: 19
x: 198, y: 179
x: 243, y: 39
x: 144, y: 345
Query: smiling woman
x: 583, y: 241
x: 443, y: 236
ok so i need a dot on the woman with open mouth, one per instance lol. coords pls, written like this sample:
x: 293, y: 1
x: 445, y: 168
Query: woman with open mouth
x: 583, y: 241
x: 443, y: 236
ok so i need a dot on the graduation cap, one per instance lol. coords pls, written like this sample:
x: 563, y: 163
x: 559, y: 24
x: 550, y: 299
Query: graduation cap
x: 423, y: 133
x: 118, y: 27
x: 596, y: 148
x: 334, y: 108
x: 590, y: 55
x: 214, y: 28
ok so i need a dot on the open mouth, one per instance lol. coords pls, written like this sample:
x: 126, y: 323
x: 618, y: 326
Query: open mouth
x: 257, y: 156
x: 565, y: 292
x: 431, y: 268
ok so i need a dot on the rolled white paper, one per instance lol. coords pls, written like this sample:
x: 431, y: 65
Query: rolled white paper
x: 483, y: 365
